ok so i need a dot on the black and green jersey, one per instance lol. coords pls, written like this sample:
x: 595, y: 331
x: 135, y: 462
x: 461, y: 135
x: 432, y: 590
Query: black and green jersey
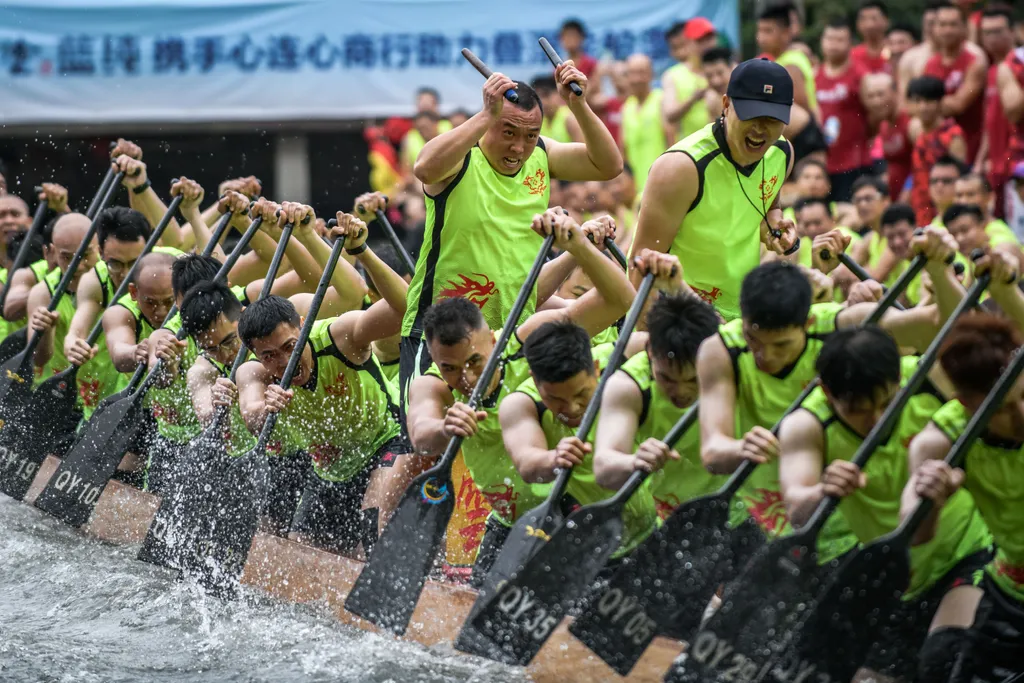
x: 39, y: 268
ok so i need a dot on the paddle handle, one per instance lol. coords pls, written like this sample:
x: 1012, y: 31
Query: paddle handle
x: 556, y: 61
x: 883, y: 428
x: 594, y: 407
x: 22, y: 256
x: 389, y: 232
x: 300, y: 344
x: 859, y: 271
x: 958, y: 453
x: 616, y: 252
x: 511, y: 95
x: 679, y: 429
x: 101, y: 192
x: 219, y: 228
x: 158, y: 232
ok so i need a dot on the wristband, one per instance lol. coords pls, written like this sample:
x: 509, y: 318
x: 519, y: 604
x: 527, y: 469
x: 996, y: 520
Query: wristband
x: 357, y: 251
x: 142, y: 188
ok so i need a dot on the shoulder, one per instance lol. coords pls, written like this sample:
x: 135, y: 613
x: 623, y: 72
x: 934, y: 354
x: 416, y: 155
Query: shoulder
x: 252, y: 372
x: 713, y: 354
x: 202, y: 369
x: 801, y: 426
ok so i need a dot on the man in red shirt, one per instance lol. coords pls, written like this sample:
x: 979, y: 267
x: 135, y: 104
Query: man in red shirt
x: 1010, y: 81
x: 892, y: 125
x: 993, y: 159
x: 838, y: 85
x: 938, y: 137
x: 963, y: 74
x: 872, y: 25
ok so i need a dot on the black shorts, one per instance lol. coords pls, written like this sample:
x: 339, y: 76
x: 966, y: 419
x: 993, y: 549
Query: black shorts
x: 995, y: 647
x: 895, y: 652
x: 414, y: 360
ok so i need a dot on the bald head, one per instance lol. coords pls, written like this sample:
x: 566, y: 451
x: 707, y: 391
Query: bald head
x: 151, y: 287
x: 154, y: 265
x: 640, y: 73
x: 68, y: 233
x: 76, y: 223
x: 880, y: 95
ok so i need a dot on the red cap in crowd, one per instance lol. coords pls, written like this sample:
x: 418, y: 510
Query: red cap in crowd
x: 698, y: 28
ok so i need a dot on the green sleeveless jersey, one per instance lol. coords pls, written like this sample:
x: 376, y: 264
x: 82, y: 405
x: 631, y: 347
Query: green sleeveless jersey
x: 1000, y: 233
x: 762, y: 400
x: 237, y: 438
x: 556, y: 127
x: 643, y: 137
x: 995, y: 479
x: 719, y: 242
x: 414, y: 142
x: 874, y: 510
x: 39, y: 268
x: 794, y: 57
x: 344, y: 414
x: 679, y: 480
x: 686, y: 83
x: 390, y: 370
x: 488, y: 463
x: 477, y: 242
x: 639, y: 516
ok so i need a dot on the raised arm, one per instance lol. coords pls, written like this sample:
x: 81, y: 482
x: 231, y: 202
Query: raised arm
x: 597, y: 157
x: 253, y: 266
x: 392, y: 287
x: 1003, y: 286
x: 144, y: 199
x: 192, y: 196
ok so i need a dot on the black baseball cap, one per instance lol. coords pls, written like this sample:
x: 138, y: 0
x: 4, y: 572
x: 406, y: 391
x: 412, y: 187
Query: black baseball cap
x: 760, y: 87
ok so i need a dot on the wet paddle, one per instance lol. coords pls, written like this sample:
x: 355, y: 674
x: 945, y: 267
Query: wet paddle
x: 556, y: 62
x: 218, y: 552
x: 52, y: 408
x: 762, y: 604
x: 829, y: 639
x: 17, y: 374
x: 174, y: 520
x: 389, y: 232
x: 73, y: 490
x: 511, y: 95
x: 672, y: 575
x: 388, y: 588
x: 101, y: 192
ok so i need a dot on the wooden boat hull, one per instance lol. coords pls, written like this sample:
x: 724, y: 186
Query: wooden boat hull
x: 299, y: 573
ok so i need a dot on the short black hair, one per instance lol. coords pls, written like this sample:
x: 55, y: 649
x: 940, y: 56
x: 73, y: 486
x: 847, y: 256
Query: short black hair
x: 451, y: 321
x: 557, y: 351
x: 873, y: 4
x: 427, y: 90
x: 191, y: 269
x: 999, y: 10
x: 261, y: 318
x: 528, y: 98
x: 957, y: 210
x: 951, y: 162
x: 870, y: 181
x: 945, y: 4
x: 927, y: 88
x: 780, y: 13
x: 574, y: 25
x: 675, y: 29
x: 204, y: 302
x: 775, y: 296
x: 804, y: 202
x: 903, y: 27
x: 717, y: 54
x: 123, y: 224
x: 837, y: 22
x: 897, y: 212
x: 811, y: 161
x: 855, y: 362
x: 35, y: 247
x: 544, y: 84
x: 986, y: 186
x: 676, y: 326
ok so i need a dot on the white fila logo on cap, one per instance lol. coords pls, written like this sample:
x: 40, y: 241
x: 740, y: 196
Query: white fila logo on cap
x: 768, y: 89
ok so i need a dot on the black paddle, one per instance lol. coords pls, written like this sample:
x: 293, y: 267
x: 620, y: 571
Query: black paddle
x: 762, y: 604
x: 101, y: 192
x: 218, y: 552
x: 511, y: 95
x: 616, y: 252
x: 16, y: 374
x: 556, y: 61
x: 386, y: 591
x: 174, y: 519
x: 73, y: 490
x: 867, y: 587
x: 389, y: 232
x: 857, y: 270
x: 672, y: 575
x: 52, y: 408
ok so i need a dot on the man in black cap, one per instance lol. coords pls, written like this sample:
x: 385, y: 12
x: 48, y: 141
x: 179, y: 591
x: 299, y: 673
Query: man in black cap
x: 713, y: 201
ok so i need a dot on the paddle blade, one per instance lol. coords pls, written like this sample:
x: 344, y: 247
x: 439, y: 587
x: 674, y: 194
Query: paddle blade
x: 527, y: 608
x: 13, y: 344
x: 15, y: 385
x: 759, y: 609
x: 75, y: 487
x: 674, y: 572
x: 852, y: 613
x: 388, y: 588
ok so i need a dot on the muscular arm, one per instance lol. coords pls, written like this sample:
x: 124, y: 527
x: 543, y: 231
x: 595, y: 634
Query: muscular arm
x: 969, y: 91
x: 596, y: 158
x: 354, y: 332
x: 719, y: 450
x: 16, y: 306
x: 930, y: 444
x: 670, y: 190
x: 39, y: 297
x: 153, y: 208
x: 346, y: 281
x: 1011, y: 94
x: 552, y: 275
x: 201, y: 232
x: 442, y: 158
x: 621, y: 406
x: 914, y: 328
x: 89, y: 307
x: 392, y: 287
x: 119, y: 328
x: 253, y: 381
x: 429, y: 400
x: 801, y: 462
x: 201, y: 377
x: 254, y: 265
x: 524, y: 439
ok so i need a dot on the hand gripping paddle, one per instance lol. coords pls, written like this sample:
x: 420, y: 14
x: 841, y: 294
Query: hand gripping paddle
x: 556, y: 61
x: 386, y: 591
x: 672, y: 575
x: 179, y: 514
x: 73, y: 490
x: 389, y: 232
x: 52, y: 408
x: 511, y: 95
x: 15, y: 341
x: 762, y: 604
